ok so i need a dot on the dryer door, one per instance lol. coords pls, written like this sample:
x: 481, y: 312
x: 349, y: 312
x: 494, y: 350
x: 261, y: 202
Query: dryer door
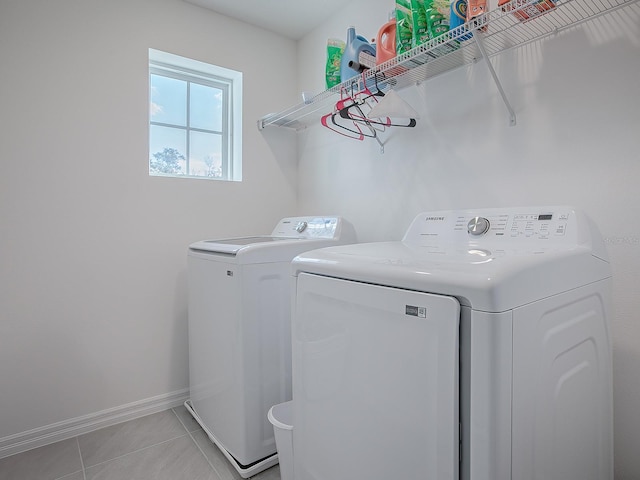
x: 375, y: 382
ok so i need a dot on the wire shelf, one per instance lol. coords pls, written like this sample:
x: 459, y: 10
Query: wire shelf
x: 500, y: 31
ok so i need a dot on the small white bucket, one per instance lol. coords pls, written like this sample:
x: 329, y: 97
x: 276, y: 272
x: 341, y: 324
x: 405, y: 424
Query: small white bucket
x: 280, y: 417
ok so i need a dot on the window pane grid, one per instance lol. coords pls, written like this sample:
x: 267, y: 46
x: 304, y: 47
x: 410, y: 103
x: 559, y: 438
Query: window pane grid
x: 212, y: 157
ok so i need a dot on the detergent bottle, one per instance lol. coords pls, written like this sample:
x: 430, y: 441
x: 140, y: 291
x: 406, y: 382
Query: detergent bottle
x: 355, y: 44
x: 457, y: 18
x: 386, y: 40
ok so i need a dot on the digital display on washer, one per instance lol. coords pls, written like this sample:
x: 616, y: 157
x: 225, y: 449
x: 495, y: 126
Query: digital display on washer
x: 545, y: 217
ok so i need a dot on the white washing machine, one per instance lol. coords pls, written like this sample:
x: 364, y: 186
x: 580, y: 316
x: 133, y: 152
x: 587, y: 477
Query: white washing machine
x: 240, y: 333
x: 477, y: 348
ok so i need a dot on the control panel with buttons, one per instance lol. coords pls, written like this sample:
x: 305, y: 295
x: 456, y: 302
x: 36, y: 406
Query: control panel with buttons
x: 503, y: 225
x: 308, y: 227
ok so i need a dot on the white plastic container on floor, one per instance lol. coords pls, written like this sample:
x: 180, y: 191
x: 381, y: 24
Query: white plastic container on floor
x: 280, y: 417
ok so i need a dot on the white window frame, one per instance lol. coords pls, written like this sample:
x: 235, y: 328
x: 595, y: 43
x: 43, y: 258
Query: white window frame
x: 227, y: 80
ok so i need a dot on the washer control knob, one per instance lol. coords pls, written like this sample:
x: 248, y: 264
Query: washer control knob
x: 478, y: 226
x: 301, y: 227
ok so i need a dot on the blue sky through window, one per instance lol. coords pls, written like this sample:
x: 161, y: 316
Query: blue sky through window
x: 168, y: 100
x: 206, y: 107
x: 169, y: 106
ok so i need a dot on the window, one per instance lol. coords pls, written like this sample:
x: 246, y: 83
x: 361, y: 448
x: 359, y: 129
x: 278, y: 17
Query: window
x: 195, y: 127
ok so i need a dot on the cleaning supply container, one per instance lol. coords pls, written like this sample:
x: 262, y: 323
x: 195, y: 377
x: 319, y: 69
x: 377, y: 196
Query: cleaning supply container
x: 457, y: 18
x: 386, y: 40
x: 355, y: 44
x: 280, y: 416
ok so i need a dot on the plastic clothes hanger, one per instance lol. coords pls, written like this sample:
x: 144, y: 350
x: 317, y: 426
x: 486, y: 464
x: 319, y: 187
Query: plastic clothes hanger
x: 346, y: 109
x: 330, y: 121
x: 346, y: 113
x: 359, y: 119
x: 356, y: 132
x: 351, y: 108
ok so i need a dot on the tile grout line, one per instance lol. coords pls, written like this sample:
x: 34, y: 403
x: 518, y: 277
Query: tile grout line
x: 137, y: 451
x: 197, y: 445
x: 134, y: 451
x: 204, y: 455
x: 84, y: 473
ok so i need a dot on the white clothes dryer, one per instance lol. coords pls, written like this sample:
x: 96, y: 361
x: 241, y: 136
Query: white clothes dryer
x: 240, y: 333
x: 476, y: 348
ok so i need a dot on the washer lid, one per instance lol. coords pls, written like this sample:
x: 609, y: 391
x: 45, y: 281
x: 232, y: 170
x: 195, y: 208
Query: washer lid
x: 231, y: 246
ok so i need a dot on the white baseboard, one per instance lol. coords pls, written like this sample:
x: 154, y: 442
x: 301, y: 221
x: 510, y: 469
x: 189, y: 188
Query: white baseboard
x: 38, y: 437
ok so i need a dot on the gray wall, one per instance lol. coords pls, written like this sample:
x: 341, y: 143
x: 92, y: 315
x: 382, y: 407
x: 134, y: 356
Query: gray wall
x: 93, y: 250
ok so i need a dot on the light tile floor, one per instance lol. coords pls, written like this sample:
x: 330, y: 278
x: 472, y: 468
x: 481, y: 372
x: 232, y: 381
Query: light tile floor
x: 168, y: 445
